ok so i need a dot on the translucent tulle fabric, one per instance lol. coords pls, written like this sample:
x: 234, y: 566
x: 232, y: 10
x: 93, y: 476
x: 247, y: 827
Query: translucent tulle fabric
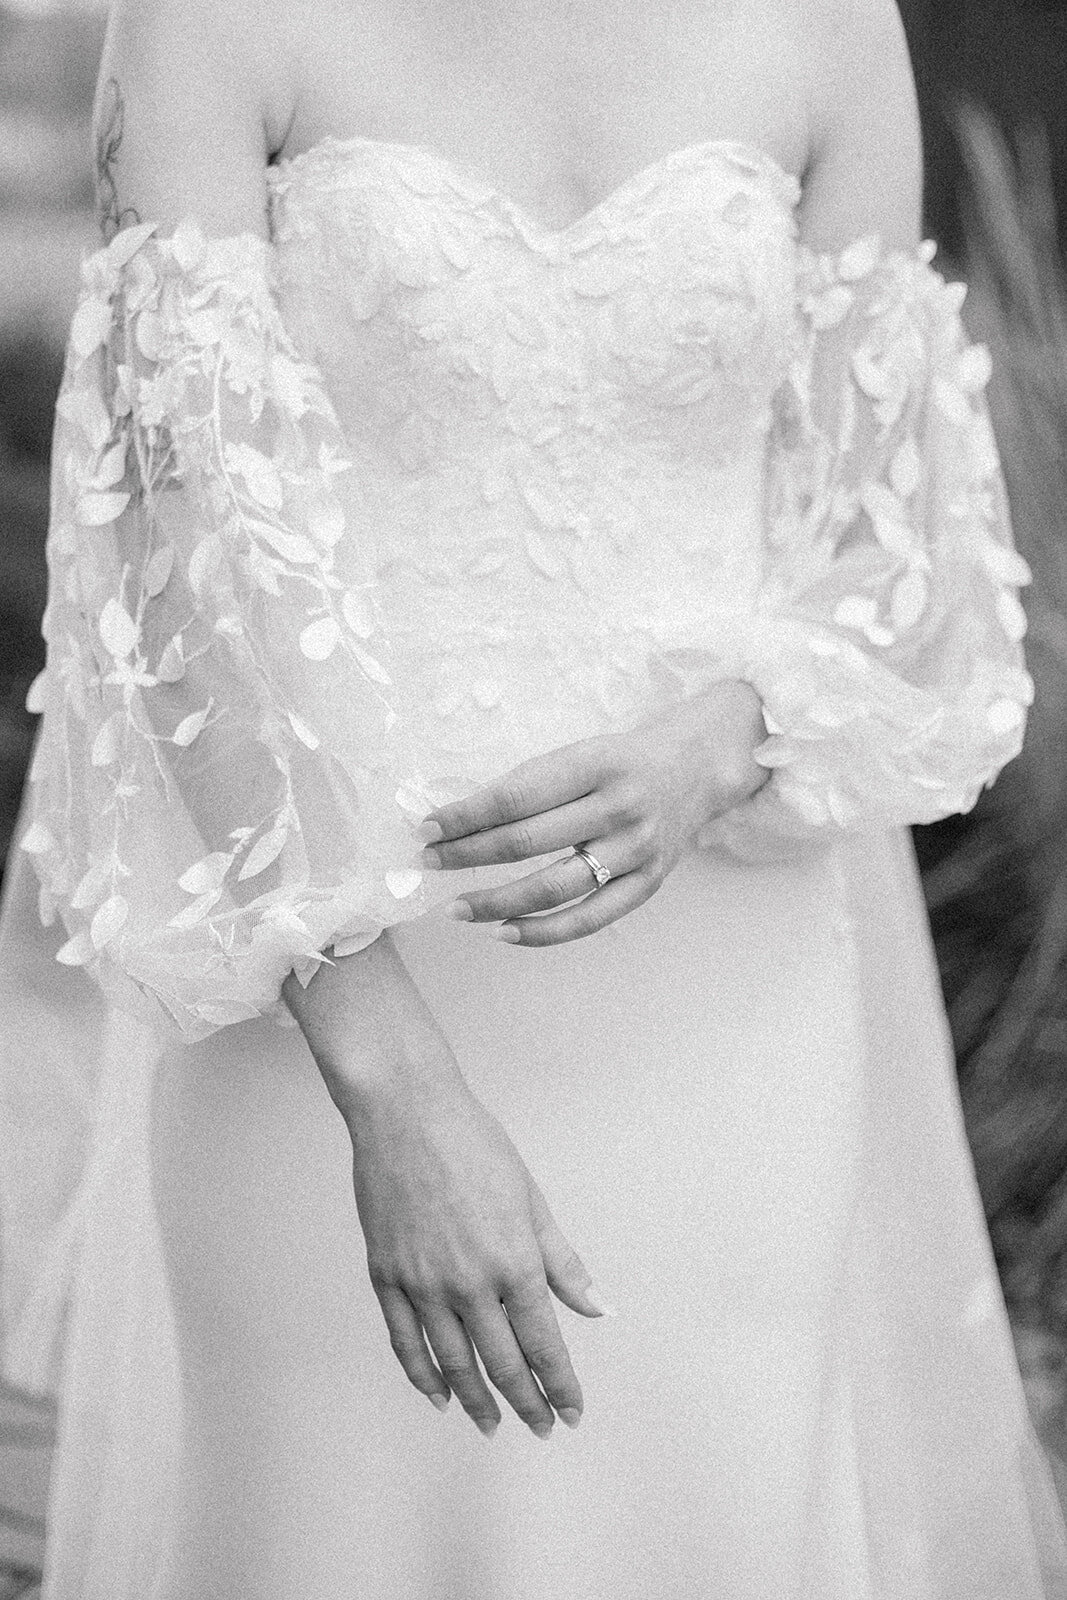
x: 276, y: 638
x: 345, y: 524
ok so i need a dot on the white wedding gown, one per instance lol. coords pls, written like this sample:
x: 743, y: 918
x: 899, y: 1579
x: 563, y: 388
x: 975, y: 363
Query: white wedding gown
x: 347, y: 524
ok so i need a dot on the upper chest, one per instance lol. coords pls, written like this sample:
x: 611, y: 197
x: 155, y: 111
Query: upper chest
x: 558, y: 104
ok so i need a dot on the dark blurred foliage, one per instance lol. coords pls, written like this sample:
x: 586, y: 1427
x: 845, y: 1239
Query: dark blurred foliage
x: 30, y: 367
x: 996, y: 881
x: 29, y: 375
x: 48, y: 63
x: 992, y: 83
x: 1008, y: 55
x: 47, y: 76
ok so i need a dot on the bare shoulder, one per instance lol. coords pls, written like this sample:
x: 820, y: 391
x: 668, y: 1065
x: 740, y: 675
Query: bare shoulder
x: 190, y: 97
x: 865, y: 174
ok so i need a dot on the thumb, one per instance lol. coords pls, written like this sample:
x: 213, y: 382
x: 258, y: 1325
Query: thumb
x: 567, y: 1275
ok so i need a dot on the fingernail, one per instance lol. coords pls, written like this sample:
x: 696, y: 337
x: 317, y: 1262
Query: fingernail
x: 460, y: 910
x: 570, y: 1416
x: 602, y: 1306
x: 430, y: 860
x: 542, y: 1429
x: 486, y: 1425
x: 509, y: 934
x: 439, y: 1400
x: 429, y: 832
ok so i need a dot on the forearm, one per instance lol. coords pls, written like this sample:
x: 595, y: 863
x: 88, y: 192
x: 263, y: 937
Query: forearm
x: 369, y: 1028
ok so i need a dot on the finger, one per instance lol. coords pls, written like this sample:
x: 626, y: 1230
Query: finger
x: 533, y: 835
x: 533, y: 786
x: 608, y: 904
x: 409, y: 1346
x: 506, y: 1365
x: 538, y: 1336
x: 561, y: 881
x: 566, y: 1272
x: 456, y: 1358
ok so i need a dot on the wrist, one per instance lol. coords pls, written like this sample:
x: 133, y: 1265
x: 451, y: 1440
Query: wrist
x: 734, y: 729
x: 387, y: 1082
x: 371, y: 1033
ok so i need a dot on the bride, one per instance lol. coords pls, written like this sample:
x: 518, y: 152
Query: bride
x: 516, y: 466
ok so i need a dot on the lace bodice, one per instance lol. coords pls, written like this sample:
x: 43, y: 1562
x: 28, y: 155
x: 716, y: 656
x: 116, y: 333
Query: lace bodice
x: 349, y: 523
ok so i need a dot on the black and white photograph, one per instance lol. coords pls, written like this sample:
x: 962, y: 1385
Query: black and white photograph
x: 533, y: 800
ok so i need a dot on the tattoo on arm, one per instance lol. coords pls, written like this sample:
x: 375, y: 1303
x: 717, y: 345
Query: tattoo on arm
x: 108, y: 138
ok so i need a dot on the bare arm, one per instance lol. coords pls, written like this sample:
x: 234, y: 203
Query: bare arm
x: 189, y: 106
x: 181, y: 119
x: 891, y: 576
x: 369, y: 1028
x: 865, y: 174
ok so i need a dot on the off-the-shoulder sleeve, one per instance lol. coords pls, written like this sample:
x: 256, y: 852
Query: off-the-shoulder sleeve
x: 886, y: 644
x: 217, y: 788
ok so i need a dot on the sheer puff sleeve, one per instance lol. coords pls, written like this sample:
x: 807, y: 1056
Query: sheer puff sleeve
x: 886, y: 642
x: 214, y: 795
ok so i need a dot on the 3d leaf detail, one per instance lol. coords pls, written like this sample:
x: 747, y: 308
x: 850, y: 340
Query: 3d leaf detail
x: 263, y: 852
x: 189, y: 727
x: 96, y: 510
x: 207, y: 873
x: 158, y: 571
x: 117, y: 628
x: 106, y: 744
x: 319, y: 639
x: 303, y: 732
x: 108, y: 920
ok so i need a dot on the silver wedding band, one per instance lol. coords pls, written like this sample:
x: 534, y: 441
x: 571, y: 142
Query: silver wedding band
x: 600, y: 873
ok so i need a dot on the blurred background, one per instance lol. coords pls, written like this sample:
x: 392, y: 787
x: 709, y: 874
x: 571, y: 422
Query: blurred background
x: 992, y: 78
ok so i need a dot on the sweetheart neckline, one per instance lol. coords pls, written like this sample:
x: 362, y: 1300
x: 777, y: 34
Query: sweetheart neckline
x: 786, y: 185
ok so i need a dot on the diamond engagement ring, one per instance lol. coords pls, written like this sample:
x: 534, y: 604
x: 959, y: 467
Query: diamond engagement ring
x: 599, y: 872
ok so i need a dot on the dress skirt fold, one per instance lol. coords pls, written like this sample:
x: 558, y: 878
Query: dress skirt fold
x: 808, y: 1388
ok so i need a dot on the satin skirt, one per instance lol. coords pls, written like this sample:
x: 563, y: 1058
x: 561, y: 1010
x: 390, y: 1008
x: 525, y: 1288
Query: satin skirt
x: 740, y: 1104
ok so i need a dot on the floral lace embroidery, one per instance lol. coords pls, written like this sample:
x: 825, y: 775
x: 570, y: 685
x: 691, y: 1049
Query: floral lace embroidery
x: 290, y: 610
x: 887, y: 642
x: 193, y: 598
